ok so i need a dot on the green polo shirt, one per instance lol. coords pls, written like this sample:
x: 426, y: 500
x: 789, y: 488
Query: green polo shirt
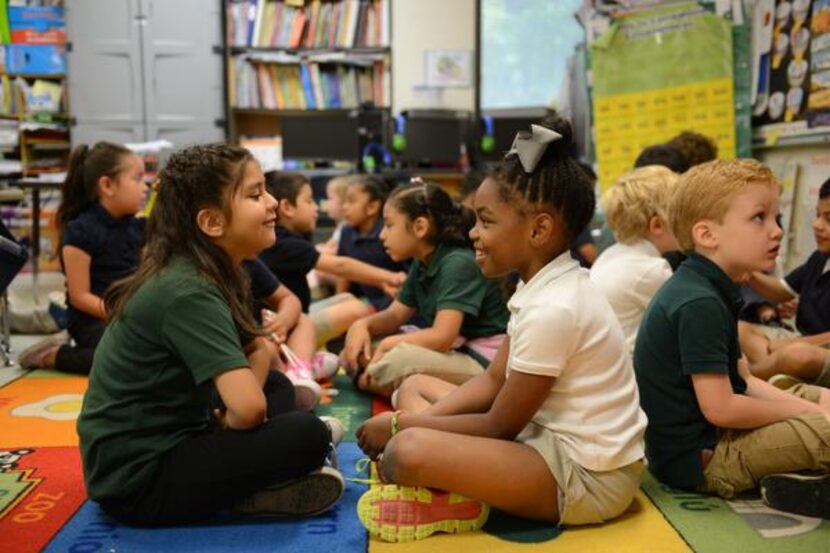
x: 150, y: 383
x: 451, y: 279
x: 690, y: 327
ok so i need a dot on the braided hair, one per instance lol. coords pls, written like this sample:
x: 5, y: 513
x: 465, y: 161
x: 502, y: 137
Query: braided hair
x: 196, y: 178
x: 557, y: 181
x: 450, y: 222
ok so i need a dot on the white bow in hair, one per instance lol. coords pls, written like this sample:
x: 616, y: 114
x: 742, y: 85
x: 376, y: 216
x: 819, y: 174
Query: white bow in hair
x: 530, y: 146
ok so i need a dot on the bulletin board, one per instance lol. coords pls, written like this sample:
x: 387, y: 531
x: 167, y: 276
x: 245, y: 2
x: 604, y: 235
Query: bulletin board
x: 657, y: 74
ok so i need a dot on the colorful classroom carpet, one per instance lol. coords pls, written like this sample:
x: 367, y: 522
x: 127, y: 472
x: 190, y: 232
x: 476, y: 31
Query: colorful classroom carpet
x: 43, y: 505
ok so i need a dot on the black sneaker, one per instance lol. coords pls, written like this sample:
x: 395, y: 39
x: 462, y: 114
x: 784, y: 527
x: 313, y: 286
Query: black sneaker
x: 308, y: 495
x: 798, y: 493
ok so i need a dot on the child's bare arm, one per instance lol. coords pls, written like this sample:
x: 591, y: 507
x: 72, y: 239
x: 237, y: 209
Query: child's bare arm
x: 477, y: 394
x: 245, y: 404
x: 439, y: 337
x: 389, y: 320
x: 286, y: 309
x: 76, y: 264
x: 769, y: 286
x: 357, y: 271
x: 726, y: 409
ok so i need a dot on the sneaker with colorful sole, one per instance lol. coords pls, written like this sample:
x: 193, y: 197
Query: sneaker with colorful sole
x: 402, y: 513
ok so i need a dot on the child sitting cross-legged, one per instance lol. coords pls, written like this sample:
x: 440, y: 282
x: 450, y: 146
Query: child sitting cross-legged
x: 631, y: 271
x: 553, y: 429
x: 712, y: 426
x: 180, y: 328
x: 293, y: 256
x: 462, y: 313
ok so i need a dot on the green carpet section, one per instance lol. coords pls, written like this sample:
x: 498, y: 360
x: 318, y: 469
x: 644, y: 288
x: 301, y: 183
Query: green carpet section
x: 710, y: 524
x: 350, y: 405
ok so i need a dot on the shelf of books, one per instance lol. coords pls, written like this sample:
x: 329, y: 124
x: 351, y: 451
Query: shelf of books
x: 34, y: 119
x: 295, y: 57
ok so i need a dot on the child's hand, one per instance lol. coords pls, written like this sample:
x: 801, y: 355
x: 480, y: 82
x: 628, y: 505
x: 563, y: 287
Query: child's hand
x: 374, y: 434
x: 393, y: 285
x: 358, y: 343
x: 787, y: 309
x: 275, y: 326
x: 384, y: 346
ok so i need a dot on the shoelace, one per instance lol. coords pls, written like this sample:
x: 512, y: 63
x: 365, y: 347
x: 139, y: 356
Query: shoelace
x: 365, y: 465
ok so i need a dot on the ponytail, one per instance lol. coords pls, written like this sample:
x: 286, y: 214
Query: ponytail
x: 451, y: 222
x: 86, y: 166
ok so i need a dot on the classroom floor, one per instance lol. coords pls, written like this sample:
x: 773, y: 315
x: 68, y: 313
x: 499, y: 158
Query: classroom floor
x: 43, y: 505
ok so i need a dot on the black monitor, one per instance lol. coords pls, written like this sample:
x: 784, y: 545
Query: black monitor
x: 504, y: 131
x: 324, y: 136
x: 434, y: 139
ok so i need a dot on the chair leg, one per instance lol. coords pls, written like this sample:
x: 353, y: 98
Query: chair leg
x: 5, y: 340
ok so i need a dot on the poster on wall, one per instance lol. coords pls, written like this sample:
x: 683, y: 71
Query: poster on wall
x: 818, y: 102
x: 679, y: 76
x: 782, y: 93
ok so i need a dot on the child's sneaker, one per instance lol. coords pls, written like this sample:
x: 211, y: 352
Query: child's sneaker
x: 324, y: 365
x: 307, y: 393
x: 308, y: 495
x: 34, y: 357
x: 335, y: 427
x: 401, y: 513
x: 797, y: 493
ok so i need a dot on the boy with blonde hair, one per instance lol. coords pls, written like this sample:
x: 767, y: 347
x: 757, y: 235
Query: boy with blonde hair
x: 631, y: 271
x: 713, y: 427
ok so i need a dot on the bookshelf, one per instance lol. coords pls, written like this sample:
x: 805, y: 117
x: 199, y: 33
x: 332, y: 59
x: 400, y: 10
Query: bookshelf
x: 295, y: 58
x: 34, y: 107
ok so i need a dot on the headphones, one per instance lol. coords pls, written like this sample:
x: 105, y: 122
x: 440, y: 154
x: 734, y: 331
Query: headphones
x: 399, y: 137
x: 371, y: 153
x: 488, y: 139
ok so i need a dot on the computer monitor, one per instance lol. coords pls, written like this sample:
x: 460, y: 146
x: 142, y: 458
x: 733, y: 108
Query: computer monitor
x: 504, y: 131
x: 434, y: 139
x: 328, y: 136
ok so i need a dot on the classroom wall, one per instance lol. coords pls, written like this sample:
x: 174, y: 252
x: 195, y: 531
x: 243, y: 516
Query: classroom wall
x: 812, y: 168
x: 421, y: 25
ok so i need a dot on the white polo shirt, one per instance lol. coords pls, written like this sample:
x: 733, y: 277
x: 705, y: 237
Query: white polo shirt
x: 630, y: 275
x: 560, y: 325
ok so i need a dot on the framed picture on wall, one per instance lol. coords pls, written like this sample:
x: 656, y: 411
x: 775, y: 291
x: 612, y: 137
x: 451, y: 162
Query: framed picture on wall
x: 449, y: 68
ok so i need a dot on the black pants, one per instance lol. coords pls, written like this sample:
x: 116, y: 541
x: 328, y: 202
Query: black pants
x: 77, y: 359
x: 213, y: 471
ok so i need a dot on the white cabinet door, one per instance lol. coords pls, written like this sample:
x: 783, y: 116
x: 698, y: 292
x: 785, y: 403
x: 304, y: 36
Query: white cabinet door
x: 104, y: 65
x: 184, y: 70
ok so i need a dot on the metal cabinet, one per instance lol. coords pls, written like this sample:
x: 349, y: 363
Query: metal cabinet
x: 145, y: 70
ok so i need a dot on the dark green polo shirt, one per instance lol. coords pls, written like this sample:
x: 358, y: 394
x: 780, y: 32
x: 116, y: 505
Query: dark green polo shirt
x: 451, y: 279
x: 150, y: 383
x: 690, y: 327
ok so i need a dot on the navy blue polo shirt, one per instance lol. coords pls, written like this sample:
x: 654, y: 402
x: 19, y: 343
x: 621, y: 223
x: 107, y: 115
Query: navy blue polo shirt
x: 812, y: 282
x: 114, y: 246
x: 369, y: 249
x: 290, y: 259
x: 263, y: 284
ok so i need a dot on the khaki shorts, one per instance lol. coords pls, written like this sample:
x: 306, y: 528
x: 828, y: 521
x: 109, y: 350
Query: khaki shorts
x: 585, y: 496
x: 743, y: 457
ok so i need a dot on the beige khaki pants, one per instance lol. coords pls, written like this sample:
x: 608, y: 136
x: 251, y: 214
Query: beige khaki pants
x: 407, y: 359
x: 743, y: 457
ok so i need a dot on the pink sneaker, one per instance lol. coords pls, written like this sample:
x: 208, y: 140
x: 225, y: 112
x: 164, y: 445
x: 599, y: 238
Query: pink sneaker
x: 307, y: 393
x: 324, y: 365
